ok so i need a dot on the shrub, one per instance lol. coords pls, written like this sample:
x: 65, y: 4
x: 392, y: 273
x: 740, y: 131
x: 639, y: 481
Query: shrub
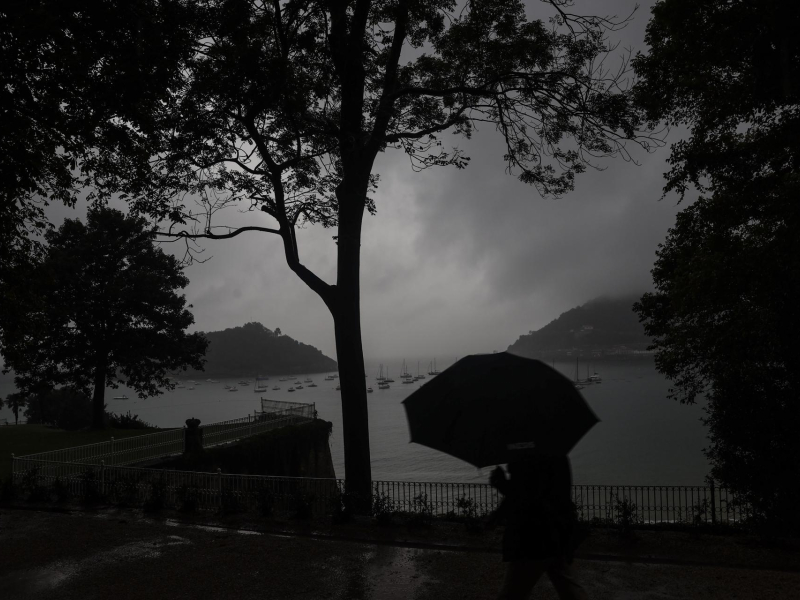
x: 343, y: 506
x: 187, y: 498
x: 124, y: 490
x: 30, y: 486
x: 127, y: 421
x: 383, y: 509
x: 61, y: 490
x: 7, y: 490
x: 230, y: 502
x: 265, y: 501
x: 626, y: 516
x: 301, y: 503
x: 422, y: 513
x: 90, y: 488
x: 158, y: 495
x: 468, y: 512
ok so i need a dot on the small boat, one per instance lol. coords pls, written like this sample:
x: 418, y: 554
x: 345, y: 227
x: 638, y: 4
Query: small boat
x: 123, y: 397
x: 260, y: 389
x: 383, y: 386
x: 233, y: 389
x: 291, y: 389
x: 307, y: 381
x: 244, y: 383
x: 190, y: 388
x: 180, y: 386
x: 338, y: 387
x: 226, y: 386
x: 313, y: 385
x: 369, y: 390
x: 299, y: 387
x: 275, y: 388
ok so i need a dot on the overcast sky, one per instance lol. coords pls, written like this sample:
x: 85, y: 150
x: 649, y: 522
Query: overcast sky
x: 455, y: 262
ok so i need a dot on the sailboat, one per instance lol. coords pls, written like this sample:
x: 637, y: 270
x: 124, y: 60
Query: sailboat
x: 260, y: 387
x: 578, y: 382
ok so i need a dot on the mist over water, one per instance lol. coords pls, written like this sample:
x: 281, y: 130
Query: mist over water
x: 642, y: 438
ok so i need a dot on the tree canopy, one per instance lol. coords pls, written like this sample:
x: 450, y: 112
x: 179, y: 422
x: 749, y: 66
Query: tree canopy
x: 101, y: 308
x: 282, y: 108
x: 727, y: 278
x: 81, y: 83
x: 730, y: 71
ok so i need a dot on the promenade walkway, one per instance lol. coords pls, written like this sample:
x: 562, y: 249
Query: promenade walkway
x: 121, y: 555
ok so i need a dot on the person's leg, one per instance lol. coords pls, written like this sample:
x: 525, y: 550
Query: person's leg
x: 568, y: 588
x: 521, y: 576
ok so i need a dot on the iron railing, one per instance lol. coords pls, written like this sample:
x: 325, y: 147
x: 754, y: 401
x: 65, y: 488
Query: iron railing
x: 152, y: 446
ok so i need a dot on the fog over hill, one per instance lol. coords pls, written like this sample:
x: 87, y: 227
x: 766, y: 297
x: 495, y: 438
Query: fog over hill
x: 601, y: 326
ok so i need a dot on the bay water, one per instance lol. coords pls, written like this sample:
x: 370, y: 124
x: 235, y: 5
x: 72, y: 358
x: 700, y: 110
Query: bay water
x: 643, y: 438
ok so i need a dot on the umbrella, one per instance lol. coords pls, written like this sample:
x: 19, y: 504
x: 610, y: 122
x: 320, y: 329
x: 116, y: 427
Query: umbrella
x: 487, y: 405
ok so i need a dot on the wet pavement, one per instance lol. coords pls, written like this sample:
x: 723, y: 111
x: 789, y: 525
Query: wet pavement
x: 123, y: 555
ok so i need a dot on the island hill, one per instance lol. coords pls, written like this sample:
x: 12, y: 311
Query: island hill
x: 252, y: 350
x: 601, y: 327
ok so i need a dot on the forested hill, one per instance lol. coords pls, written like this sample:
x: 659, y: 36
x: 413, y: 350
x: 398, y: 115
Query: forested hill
x: 253, y: 350
x: 603, y: 325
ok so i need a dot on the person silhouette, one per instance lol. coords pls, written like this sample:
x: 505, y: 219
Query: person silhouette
x: 540, y: 521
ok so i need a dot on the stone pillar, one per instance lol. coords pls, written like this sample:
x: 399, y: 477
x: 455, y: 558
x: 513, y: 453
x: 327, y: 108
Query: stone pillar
x: 192, y: 438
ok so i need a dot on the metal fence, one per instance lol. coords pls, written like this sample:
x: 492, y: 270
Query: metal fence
x: 102, y: 471
x: 151, y: 446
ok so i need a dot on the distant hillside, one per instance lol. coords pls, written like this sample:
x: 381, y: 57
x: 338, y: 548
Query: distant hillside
x: 253, y: 350
x: 601, y: 326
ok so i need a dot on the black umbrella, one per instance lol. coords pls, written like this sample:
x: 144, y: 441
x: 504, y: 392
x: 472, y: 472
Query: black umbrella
x: 486, y: 405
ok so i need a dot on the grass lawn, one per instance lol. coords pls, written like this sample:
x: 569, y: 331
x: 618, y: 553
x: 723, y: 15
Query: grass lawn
x: 30, y: 439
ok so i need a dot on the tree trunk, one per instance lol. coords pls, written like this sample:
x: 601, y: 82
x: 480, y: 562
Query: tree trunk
x: 98, y: 399
x: 350, y: 356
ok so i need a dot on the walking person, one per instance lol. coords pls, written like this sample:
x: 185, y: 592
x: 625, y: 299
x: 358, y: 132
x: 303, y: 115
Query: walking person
x: 540, y: 522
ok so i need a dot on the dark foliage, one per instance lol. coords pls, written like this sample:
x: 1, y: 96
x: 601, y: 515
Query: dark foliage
x: 127, y: 421
x: 727, y: 278
x: 302, y: 504
x: 265, y: 501
x: 91, y: 488
x: 101, y: 308
x: 731, y: 72
x: 421, y: 514
x: 15, y: 403
x: 383, y: 509
x: 65, y: 408
x: 157, y: 498
x: 82, y: 83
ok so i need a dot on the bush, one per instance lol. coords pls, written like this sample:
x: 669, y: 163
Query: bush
x: 301, y: 503
x: 229, y: 501
x: 626, y: 516
x: 7, y: 490
x: 158, y: 495
x: 127, y: 421
x: 422, y: 513
x: 265, y: 501
x: 61, y: 491
x: 90, y: 488
x: 124, y: 490
x: 188, y: 497
x: 468, y: 512
x: 383, y: 509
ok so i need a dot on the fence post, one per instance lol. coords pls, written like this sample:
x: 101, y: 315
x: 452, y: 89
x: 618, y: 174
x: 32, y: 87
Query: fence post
x: 112, y: 451
x: 13, y: 468
x: 103, y: 478
x: 219, y: 486
x: 713, y: 504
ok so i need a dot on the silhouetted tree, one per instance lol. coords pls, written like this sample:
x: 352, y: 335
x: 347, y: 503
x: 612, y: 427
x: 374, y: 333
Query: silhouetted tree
x: 15, y: 401
x: 288, y: 104
x: 724, y: 314
x: 100, y: 309
x: 82, y: 80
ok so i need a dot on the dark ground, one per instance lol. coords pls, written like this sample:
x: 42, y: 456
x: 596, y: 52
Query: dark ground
x: 121, y: 554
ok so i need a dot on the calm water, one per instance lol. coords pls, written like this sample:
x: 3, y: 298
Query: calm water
x: 642, y: 438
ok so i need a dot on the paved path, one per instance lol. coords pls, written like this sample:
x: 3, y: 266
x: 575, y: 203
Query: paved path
x: 65, y: 556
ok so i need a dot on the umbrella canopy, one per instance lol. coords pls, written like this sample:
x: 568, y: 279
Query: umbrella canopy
x: 487, y: 405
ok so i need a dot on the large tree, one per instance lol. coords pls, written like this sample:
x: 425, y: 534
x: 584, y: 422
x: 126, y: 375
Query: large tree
x: 101, y: 308
x: 727, y: 278
x: 81, y: 80
x: 288, y: 103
